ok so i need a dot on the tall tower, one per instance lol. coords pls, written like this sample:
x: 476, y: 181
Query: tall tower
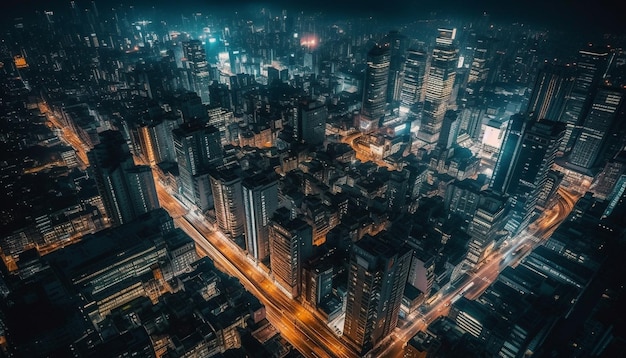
x: 376, y: 278
x: 197, y: 147
x: 552, y: 86
x: 196, y: 60
x: 508, y: 153
x: 539, y: 145
x: 375, y: 87
x: 260, y: 200
x: 607, y: 106
x: 311, y: 123
x: 127, y: 190
x: 228, y: 200
x: 414, y: 70
x: 291, y: 243
x: 397, y: 46
x: 439, y: 85
x: 590, y: 70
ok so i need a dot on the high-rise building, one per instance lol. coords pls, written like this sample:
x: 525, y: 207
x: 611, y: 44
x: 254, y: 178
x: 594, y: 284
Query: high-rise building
x: 487, y: 223
x: 260, y: 199
x: 195, y: 59
x: 552, y: 87
x: 156, y: 142
x: 449, y: 130
x: 127, y: 190
x: 439, y: 85
x: 481, y: 62
x: 598, y: 126
x: 228, y: 200
x: 414, y: 71
x: 397, y: 46
x: 377, y: 275
x: 590, y: 68
x: 311, y: 122
x: 508, y: 153
x: 375, y: 88
x: 539, y: 146
x: 291, y: 242
x: 198, y: 147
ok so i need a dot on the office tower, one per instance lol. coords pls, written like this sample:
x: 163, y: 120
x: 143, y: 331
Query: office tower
x: 397, y: 47
x: 196, y: 61
x: 480, y: 67
x: 414, y: 70
x: 552, y: 87
x: 599, y: 125
x: 511, y: 145
x: 198, y: 148
x: 439, y: 84
x: 539, y: 145
x: 422, y: 271
x: 291, y: 242
x: 260, y: 200
x: 317, y: 280
x: 487, y: 223
x: 272, y: 75
x: 155, y: 141
x: 375, y: 88
x: 311, y: 123
x: 219, y: 96
x: 228, y: 200
x: 590, y: 69
x: 462, y: 199
x: 376, y: 278
x: 127, y: 190
x: 449, y: 130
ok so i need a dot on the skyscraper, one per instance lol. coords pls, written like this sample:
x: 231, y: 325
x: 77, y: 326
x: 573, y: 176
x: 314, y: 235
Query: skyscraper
x: 197, y: 147
x: 375, y: 87
x: 539, y: 145
x: 606, y: 108
x: 260, y: 199
x: 590, y: 69
x: 414, y: 70
x: 228, y: 200
x: 397, y: 46
x: 291, y: 242
x: 439, y: 85
x: 311, y: 122
x: 127, y: 190
x: 552, y: 86
x: 501, y: 176
x: 376, y: 278
x: 195, y: 56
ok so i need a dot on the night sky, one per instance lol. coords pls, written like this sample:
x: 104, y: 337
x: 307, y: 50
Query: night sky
x: 579, y: 15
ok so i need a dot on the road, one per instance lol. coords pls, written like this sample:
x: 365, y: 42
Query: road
x: 67, y: 135
x: 509, y: 255
x: 303, y: 329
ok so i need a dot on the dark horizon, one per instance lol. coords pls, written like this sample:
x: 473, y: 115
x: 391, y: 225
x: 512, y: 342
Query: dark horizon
x: 569, y: 16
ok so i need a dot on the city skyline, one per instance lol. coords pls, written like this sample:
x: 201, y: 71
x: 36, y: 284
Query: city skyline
x: 347, y: 180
